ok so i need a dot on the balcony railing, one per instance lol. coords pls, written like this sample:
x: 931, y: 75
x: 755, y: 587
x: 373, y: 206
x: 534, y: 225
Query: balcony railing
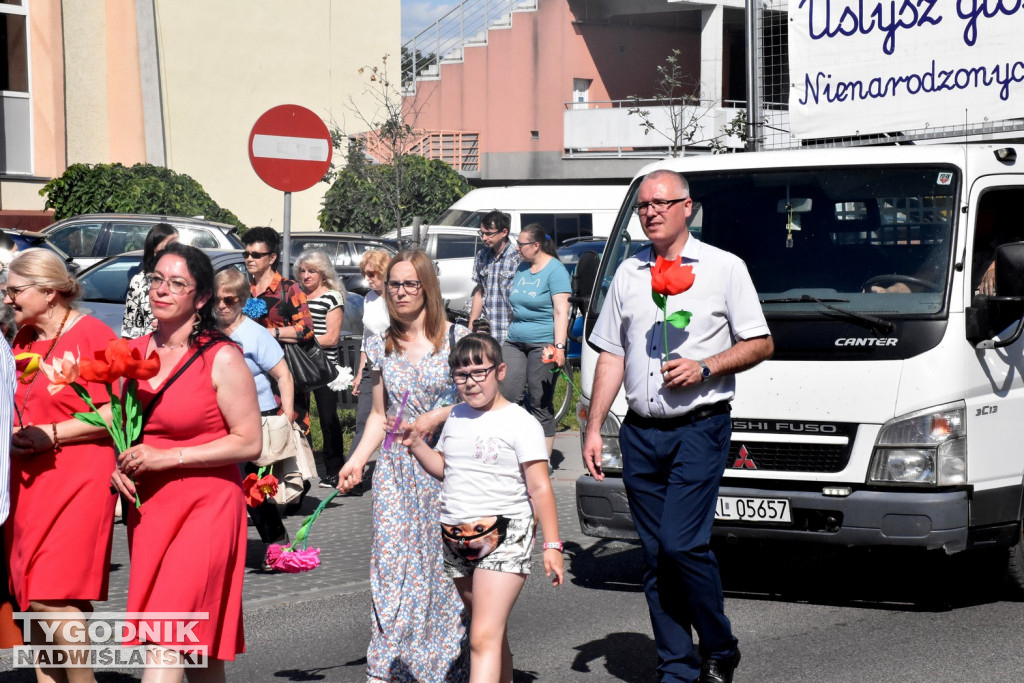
x: 606, y: 128
x: 458, y: 149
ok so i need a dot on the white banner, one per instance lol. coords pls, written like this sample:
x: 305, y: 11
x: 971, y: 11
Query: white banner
x: 873, y: 66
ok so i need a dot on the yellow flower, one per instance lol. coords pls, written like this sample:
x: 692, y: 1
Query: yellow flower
x: 28, y: 363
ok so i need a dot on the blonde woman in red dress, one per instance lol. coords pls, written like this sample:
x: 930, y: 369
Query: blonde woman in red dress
x: 58, y: 536
x: 188, y: 538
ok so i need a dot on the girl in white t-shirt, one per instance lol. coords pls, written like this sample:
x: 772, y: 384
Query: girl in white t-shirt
x: 489, y: 454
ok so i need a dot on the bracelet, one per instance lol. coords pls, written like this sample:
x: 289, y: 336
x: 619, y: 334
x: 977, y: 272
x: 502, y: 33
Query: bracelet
x: 554, y: 545
x: 57, y: 448
x: 277, y: 333
x: 181, y: 459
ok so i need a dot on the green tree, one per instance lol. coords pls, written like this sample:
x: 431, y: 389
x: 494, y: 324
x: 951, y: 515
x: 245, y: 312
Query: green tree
x: 360, y: 199
x: 377, y: 197
x: 142, y: 188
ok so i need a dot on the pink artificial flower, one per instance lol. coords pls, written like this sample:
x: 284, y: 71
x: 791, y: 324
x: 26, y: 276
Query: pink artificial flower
x: 284, y: 559
x: 61, y: 373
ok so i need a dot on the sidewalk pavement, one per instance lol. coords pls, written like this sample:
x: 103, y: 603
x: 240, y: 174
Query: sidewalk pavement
x: 343, y: 534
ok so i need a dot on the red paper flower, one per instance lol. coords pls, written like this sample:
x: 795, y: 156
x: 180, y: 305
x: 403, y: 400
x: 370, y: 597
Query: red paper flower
x: 119, y: 360
x: 668, y: 277
x: 547, y: 355
x: 258, y: 489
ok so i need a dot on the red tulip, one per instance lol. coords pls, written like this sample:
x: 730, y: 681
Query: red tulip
x: 257, y: 489
x: 119, y: 360
x: 669, y: 277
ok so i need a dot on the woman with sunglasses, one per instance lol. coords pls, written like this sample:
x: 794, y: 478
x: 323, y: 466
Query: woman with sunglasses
x: 59, y: 533
x: 540, y: 316
x: 283, y: 310
x: 418, y: 632
x: 265, y: 360
x: 375, y: 321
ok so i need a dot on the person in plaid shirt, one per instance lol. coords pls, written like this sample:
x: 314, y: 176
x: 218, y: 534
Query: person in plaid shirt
x: 493, y: 269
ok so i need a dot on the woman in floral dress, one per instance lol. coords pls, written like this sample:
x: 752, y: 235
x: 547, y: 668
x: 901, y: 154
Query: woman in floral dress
x: 418, y: 626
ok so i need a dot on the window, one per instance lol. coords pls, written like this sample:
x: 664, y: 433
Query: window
x: 16, y: 141
x: 456, y: 246
x: 127, y: 237
x: 196, y: 237
x: 562, y: 226
x: 77, y: 240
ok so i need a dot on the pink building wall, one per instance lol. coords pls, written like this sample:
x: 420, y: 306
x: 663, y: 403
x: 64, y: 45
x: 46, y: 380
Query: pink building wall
x: 520, y: 81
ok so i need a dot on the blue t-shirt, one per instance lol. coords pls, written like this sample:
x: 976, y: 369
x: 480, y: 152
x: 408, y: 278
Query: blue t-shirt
x: 533, y: 314
x: 262, y: 353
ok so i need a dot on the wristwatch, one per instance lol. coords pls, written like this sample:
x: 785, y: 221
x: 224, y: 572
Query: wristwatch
x: 560, y: 346
x: 277, y: 333
x: 554, y: 545
x: 705, y: 371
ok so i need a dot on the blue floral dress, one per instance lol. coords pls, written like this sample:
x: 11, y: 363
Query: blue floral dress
x: 419, y: 630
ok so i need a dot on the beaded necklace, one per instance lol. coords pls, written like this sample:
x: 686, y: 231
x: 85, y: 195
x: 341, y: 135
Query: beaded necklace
x: 32, y: 382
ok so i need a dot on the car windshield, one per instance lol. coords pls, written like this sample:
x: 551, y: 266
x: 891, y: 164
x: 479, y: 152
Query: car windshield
x: 460, y: 218
x: 108, y: 281
x: 873, y: 240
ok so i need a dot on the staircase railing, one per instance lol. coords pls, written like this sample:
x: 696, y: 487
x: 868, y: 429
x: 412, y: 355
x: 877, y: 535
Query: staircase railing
x: 466, y: 24
x: 458, y: 149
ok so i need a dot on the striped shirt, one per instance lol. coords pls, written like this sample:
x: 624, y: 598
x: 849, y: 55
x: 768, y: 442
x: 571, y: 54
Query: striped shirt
x: 8, y: 382
x: 318, y: 308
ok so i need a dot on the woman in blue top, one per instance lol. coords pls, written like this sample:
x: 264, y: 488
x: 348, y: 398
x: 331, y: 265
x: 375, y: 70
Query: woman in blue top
x: 540, y: 316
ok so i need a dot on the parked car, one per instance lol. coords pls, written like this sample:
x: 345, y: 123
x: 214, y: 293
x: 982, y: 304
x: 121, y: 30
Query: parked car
x: 345, y: 249
x: 25, y: 239
x: 91, y: 237
x: 105, y: 288
x: 452, y: 248
x: 570, y: 252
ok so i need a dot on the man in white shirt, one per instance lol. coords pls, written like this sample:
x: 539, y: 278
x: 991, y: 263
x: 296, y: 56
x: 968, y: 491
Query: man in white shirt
x: 675, y: 437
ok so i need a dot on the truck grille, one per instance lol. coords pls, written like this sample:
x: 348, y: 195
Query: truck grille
x: 787, y: 457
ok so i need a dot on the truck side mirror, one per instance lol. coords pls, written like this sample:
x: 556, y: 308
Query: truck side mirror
x: 583, y: 279
x: 989, y: 315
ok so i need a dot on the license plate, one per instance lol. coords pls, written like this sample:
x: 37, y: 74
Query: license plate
x: 753, y: 509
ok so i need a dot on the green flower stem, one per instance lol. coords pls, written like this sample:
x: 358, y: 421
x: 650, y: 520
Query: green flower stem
x: 664, y: 325
x: 95, y: 419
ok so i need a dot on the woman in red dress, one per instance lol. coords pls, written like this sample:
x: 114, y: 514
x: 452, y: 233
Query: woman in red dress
x: 58, y: 535
x: 188, y: 538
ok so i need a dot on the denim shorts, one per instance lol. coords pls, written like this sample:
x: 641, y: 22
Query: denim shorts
x: 512, y: 556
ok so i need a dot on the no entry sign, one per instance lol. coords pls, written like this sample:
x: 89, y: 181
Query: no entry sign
x: 290, y: 148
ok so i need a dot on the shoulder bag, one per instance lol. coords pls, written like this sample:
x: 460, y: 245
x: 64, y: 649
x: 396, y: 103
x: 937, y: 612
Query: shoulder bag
x: 309, y: 365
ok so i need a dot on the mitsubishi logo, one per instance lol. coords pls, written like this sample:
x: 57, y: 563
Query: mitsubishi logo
x: 744, y: 462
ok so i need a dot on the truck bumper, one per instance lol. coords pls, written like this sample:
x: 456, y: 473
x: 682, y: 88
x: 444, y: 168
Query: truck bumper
x: 929, y: 520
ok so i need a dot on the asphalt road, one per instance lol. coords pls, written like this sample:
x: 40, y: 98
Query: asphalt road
x: 801, y: 616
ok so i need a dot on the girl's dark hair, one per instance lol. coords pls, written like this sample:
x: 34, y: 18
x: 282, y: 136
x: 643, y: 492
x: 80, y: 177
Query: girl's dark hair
x: 201, y: 270
x: 475, y: 349
x: 535, y: 233
x: 157, y: 234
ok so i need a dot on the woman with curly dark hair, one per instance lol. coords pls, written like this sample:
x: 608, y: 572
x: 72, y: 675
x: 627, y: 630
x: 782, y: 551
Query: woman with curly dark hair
x: 188, y: 538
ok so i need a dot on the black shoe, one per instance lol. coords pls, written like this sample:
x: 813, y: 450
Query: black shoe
x: 329, y: 482
x: 719, y: 670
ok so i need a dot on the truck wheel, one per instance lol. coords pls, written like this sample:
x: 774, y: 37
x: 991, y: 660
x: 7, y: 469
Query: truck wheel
x: 1015, y: 566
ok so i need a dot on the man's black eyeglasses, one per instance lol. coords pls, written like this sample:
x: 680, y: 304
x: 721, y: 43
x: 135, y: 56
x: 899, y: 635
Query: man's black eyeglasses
x: 478, y: 375
x: 659, y: 205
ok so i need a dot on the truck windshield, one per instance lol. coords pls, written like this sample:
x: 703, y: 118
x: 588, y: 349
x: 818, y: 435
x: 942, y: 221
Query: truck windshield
x: 863, y: 239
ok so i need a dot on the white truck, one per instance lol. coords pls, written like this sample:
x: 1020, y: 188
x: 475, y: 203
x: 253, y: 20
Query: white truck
x: 892, y: 413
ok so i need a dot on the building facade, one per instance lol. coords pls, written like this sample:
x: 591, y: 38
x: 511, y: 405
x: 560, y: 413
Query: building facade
x: 178, y: 83
x: 545, y: 88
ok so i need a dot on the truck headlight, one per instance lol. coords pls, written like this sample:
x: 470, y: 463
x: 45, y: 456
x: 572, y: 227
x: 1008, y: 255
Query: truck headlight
x: 925, y: 448
x: 611, y: 456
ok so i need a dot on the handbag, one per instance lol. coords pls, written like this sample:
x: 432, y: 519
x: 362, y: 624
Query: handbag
x: 278, y: 443
x: 475, y: 540
x: 294, y: 470
x: 309, y: 365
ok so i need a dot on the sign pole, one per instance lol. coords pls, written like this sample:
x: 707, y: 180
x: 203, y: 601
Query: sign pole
x: 286, y: 247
